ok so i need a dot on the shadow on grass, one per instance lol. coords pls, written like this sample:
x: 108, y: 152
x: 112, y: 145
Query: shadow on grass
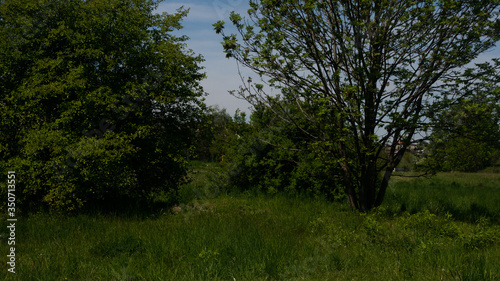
x: 118, y: 207
x: 472, y: 213
x: 130, y: 208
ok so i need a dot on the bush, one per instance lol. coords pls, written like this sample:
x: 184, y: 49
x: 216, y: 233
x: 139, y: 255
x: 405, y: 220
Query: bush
x: 98, y: 102
x: 276, y: 157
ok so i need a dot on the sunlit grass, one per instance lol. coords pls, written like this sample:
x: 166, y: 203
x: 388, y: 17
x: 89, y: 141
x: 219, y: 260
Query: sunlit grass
x: 467, y: 196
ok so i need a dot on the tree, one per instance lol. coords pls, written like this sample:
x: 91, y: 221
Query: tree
x: 275, y: 156
x: 466, y: 135
x: 224, y: 132
x: 362, y: 73
x: 98, y: 101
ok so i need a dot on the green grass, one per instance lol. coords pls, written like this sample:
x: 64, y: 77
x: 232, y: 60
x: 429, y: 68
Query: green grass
x: 467, y: 196
x: 213, y: 235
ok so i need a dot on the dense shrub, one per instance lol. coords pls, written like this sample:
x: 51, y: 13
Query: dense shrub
x: 98, y: 102
x: 277, y: 157
x: 466, y: 136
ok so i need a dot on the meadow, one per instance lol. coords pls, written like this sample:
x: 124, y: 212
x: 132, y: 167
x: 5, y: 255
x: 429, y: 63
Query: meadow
x: 445, y: 227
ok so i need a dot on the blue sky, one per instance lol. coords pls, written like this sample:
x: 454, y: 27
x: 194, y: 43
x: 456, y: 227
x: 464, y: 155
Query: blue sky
x: 222, y: 73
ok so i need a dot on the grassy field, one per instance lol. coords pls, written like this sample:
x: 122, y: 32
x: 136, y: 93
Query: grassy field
x: 442, y: 228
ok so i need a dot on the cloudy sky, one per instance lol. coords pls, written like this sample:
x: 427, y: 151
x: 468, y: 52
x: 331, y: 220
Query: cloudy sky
x: 222, y: 73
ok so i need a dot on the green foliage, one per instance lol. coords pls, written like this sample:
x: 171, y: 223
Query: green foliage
x: 219, y: 131
x: 98, y: 102
x: 357, y: 75
x: 277, y: 157
x: 465, y: 155
x: 466, y: 136
x: 480, y: 239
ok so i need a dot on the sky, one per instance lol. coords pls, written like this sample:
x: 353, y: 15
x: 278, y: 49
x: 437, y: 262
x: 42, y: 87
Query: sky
x: 222, y: 73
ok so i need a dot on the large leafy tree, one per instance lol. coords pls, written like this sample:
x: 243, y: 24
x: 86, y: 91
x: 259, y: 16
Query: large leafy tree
x: 98, y: 100
x: 361, y: 73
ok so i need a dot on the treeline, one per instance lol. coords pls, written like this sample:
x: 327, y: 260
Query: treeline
x: 466, y: 136
x: 101, y: 106
x: 265, y: 153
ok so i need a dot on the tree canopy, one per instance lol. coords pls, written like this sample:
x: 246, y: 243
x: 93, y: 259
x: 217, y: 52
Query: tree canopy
x: 98, y: 100
x: 361, y: 73
x: 466, y: 132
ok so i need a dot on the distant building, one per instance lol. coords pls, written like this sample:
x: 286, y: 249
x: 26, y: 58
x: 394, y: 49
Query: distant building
x: 412, y: 148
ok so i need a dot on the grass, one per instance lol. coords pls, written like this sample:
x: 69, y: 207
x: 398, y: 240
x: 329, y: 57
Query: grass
x: 467, y: 196
x: 213, y: 235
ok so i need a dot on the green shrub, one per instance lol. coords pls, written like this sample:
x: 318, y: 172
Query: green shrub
x: 277, y: 157
x: 94, y: 113
x: 481, y: 236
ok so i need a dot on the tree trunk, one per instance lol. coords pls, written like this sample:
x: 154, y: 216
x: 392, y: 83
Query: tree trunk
x: 367, y: 192
x: 350, y: 189
x: 383, y: 186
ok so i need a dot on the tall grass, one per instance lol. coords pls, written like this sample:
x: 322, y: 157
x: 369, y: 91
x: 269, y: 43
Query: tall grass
x: 467, y: 196
x: 219, y: 236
